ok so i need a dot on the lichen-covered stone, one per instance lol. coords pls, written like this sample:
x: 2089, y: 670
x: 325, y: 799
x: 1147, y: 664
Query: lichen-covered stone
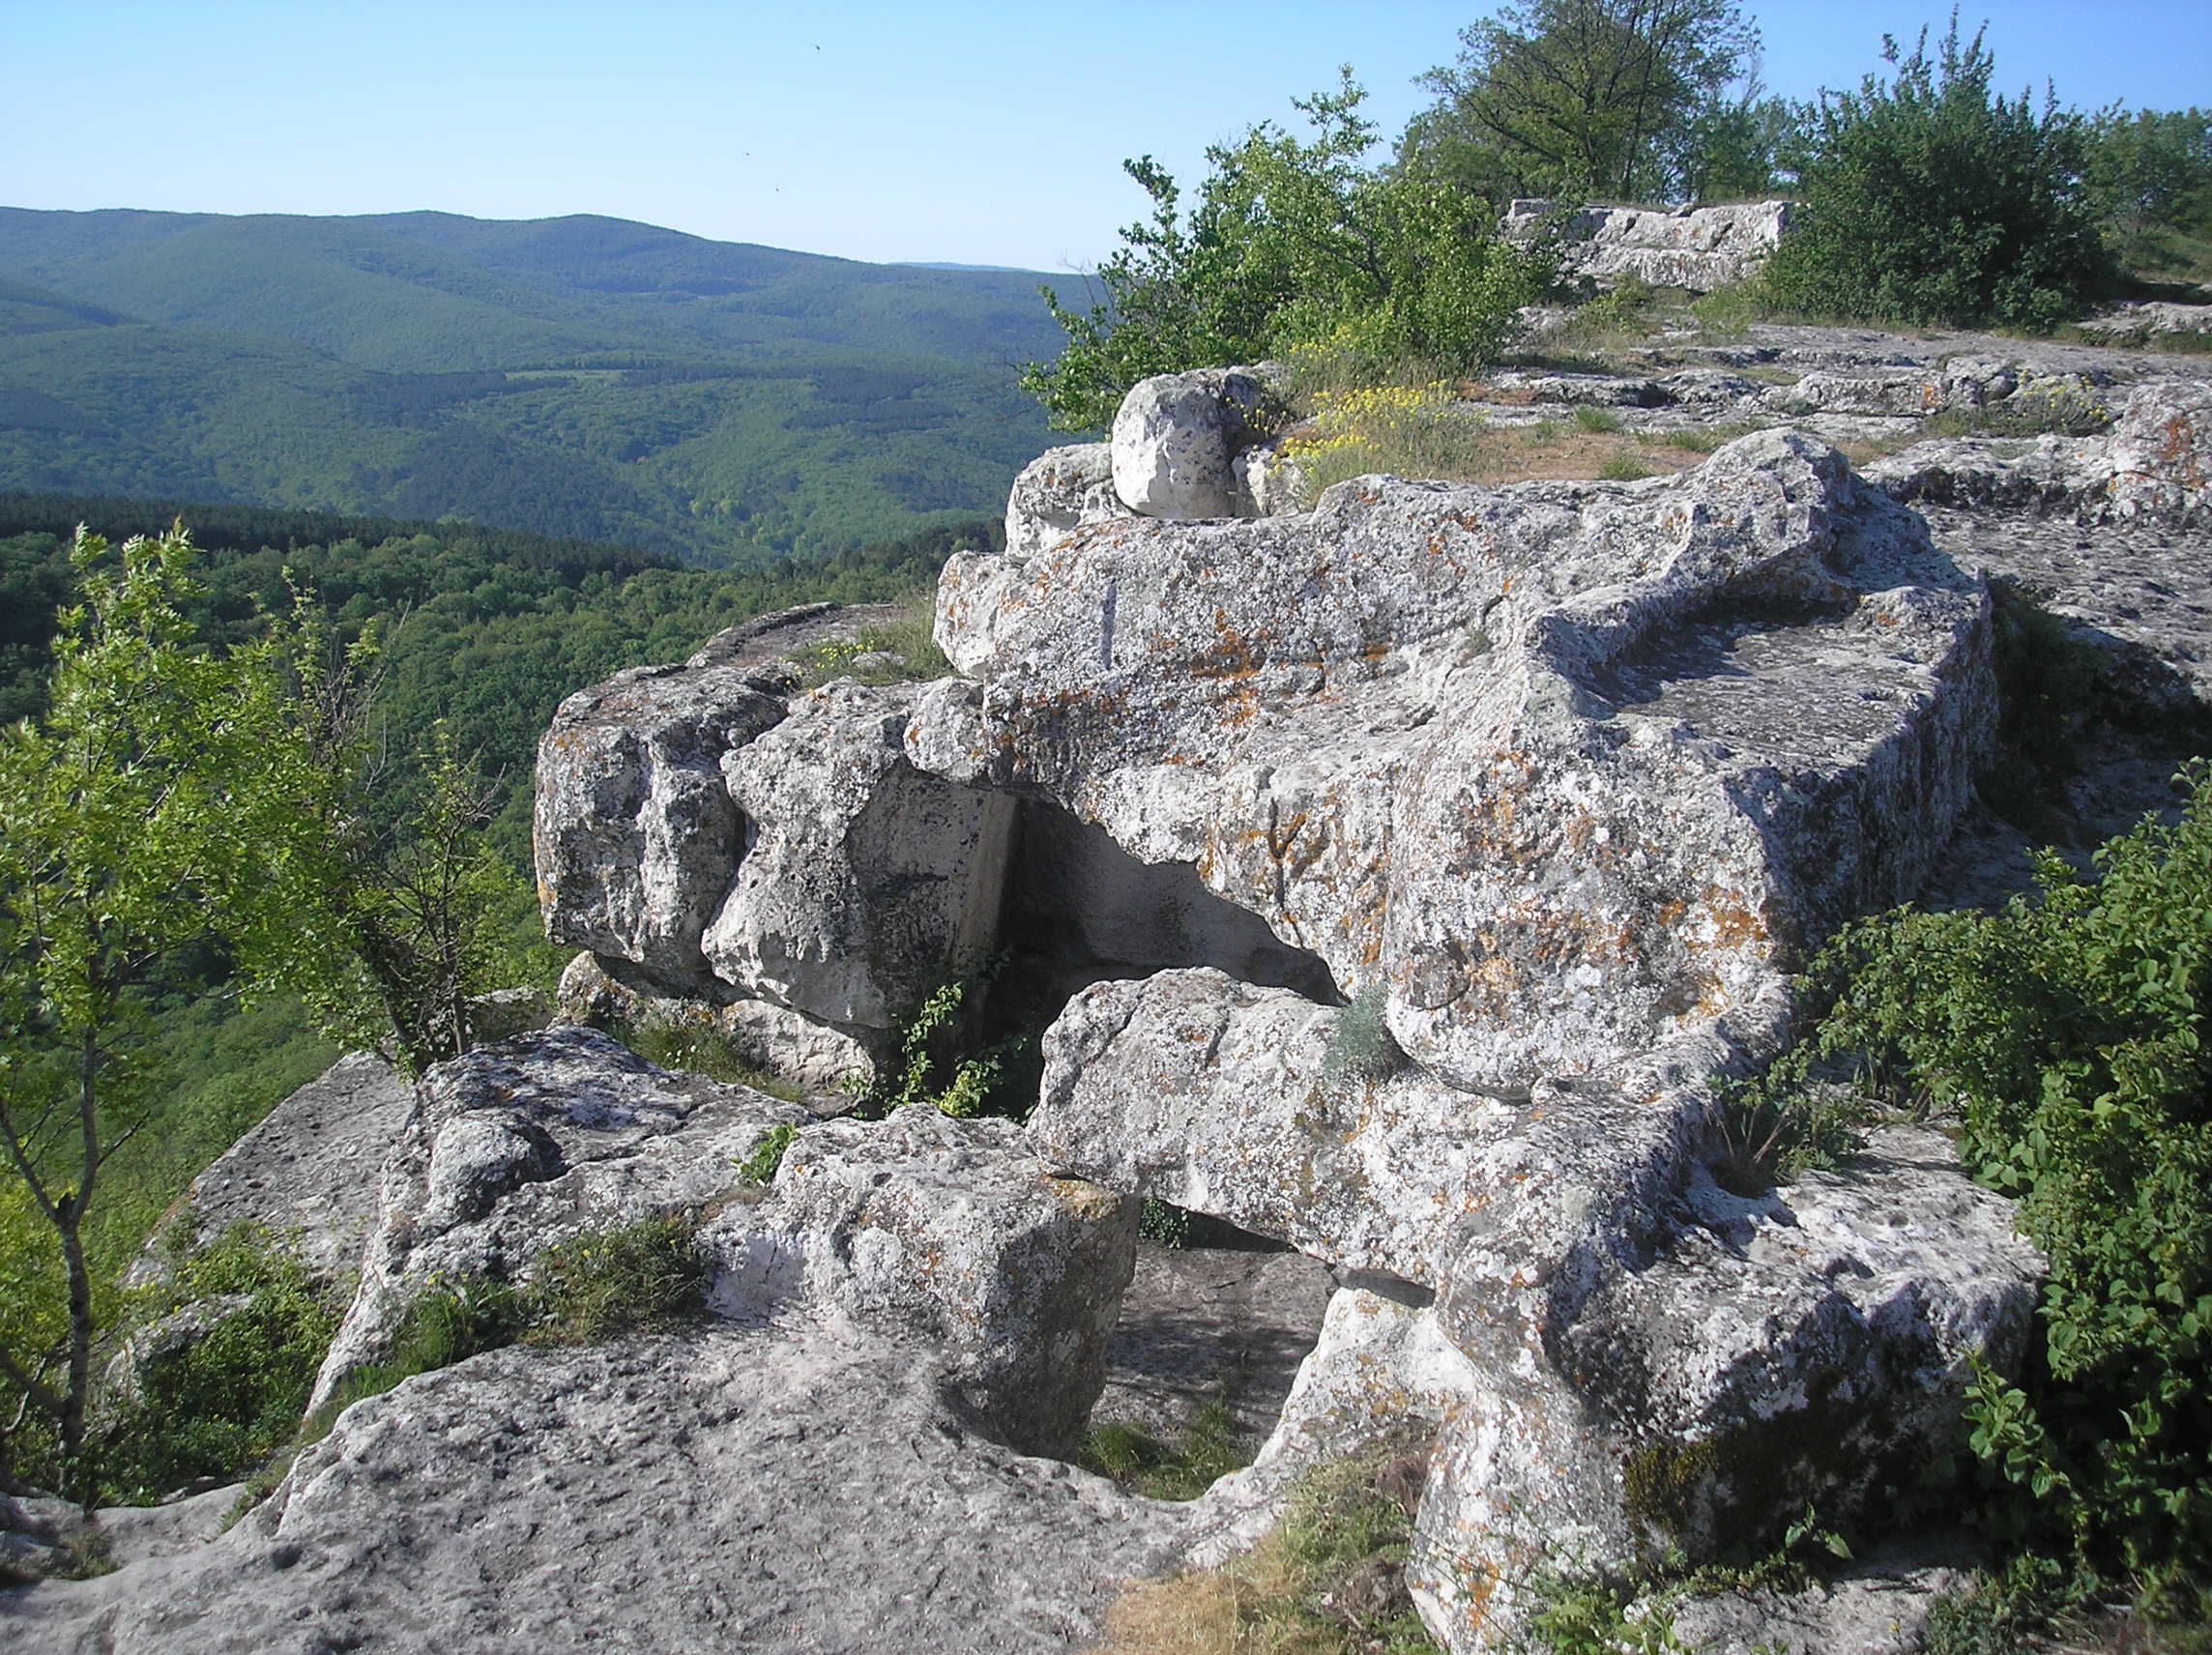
x: 1056, y: 493
x: 949, y: 1231
x: 1175, y: 435
x: 862, y: 880
x: 1692, y: 1384
x: 635, y: 834
x: 514, y: 1147
x: 1698, y: 247
x: 1569, y: 768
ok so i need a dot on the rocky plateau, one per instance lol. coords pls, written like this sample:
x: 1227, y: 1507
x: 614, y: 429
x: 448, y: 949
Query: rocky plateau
x: 1541, y: 790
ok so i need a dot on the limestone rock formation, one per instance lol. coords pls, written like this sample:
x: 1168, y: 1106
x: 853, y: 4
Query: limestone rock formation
x: 788, y: 1487
x: 306, y: 1175
x: 1567, y: 767
x: 517, y: 1146
x: 1056, y: 493
x: 1698, y: 247
x: 946, y: 1231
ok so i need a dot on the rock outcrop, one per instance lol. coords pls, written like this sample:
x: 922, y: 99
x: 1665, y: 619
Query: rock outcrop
x: 516, y: 1146
x: 1568, y: 766
x: 1697, y: 247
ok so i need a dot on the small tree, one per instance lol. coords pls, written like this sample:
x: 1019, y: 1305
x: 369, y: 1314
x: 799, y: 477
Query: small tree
x: 1580, y: 97
x: 1926, y: 199
x: 1292, y: 242
x: 165, y: 803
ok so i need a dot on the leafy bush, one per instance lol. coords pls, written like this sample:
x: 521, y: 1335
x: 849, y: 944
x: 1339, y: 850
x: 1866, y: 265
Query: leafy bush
x: 943, y: 1066
x: 2067, y: 1032
x: 1926, y: 199
x: 221, y: 1401
x: 1291, y: 243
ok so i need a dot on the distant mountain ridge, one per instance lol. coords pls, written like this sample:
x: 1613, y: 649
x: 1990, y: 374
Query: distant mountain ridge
x: 582, y: 376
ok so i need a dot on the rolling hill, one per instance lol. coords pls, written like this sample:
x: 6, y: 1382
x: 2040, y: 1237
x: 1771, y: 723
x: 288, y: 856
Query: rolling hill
x: 581, y: 376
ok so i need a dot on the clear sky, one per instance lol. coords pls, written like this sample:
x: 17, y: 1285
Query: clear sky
x: 972, y: 131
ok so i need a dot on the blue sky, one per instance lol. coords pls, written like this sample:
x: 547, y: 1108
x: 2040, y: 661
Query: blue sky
x: 985, y: 134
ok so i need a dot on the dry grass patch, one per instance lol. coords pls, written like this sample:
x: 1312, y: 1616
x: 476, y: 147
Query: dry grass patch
x: 1327, y: 1581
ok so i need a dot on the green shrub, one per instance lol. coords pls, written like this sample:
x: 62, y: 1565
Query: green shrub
x: 593, y: 1286
x: 1291, y: 242
x: 2067, y: 1033
x: 760, y: 1167
x: 1925, y: 199
x: 942, y: 1063
x: 633, y: 1278
x: 222, y: 1402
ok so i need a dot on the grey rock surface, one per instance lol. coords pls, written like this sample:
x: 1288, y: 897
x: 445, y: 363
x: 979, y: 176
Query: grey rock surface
x: 1059, y: 492
x: 1569, y: 768
x: 862, y: 880
x: 1199, y: 1325
x: 1697, y: 247
x: 309, y: 1172
x: 635, y: 834
x: 1878, y: 1607
x: 1175, y: 435
x: 520, y: 1144
x: 780, y: 1488
x: 772, y: 1038
x: 949, y: 1231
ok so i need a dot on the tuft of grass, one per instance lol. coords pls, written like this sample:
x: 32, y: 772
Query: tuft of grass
x: 1327, y: 1581
x: 1410, y: 431
x: 898, y: 650
x: 1596, y: 421
x: 1707, y: 439
x: 2056, y: 410
x: 1774, y: 1135
x: 1361, y: 1047
x: 1207, y: 1452
x: 693, y: 1045
x: 1623, y: 467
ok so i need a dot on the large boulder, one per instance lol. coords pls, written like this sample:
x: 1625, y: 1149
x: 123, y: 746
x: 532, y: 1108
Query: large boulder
x: 1175, y: 436
x: 1569, y: 768
x: 950, y: 1232
x: 306, y: 1175
x: 862, y: 880
x: 1652, y: 1365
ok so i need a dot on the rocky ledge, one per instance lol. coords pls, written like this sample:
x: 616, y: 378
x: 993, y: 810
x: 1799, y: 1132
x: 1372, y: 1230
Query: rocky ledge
x: 1400, y: 882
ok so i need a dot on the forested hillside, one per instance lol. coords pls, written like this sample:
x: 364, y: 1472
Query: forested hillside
x: 587, y: 377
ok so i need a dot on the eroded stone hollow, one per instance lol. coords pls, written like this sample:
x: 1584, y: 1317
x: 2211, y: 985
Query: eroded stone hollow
x: 1077, y: 909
